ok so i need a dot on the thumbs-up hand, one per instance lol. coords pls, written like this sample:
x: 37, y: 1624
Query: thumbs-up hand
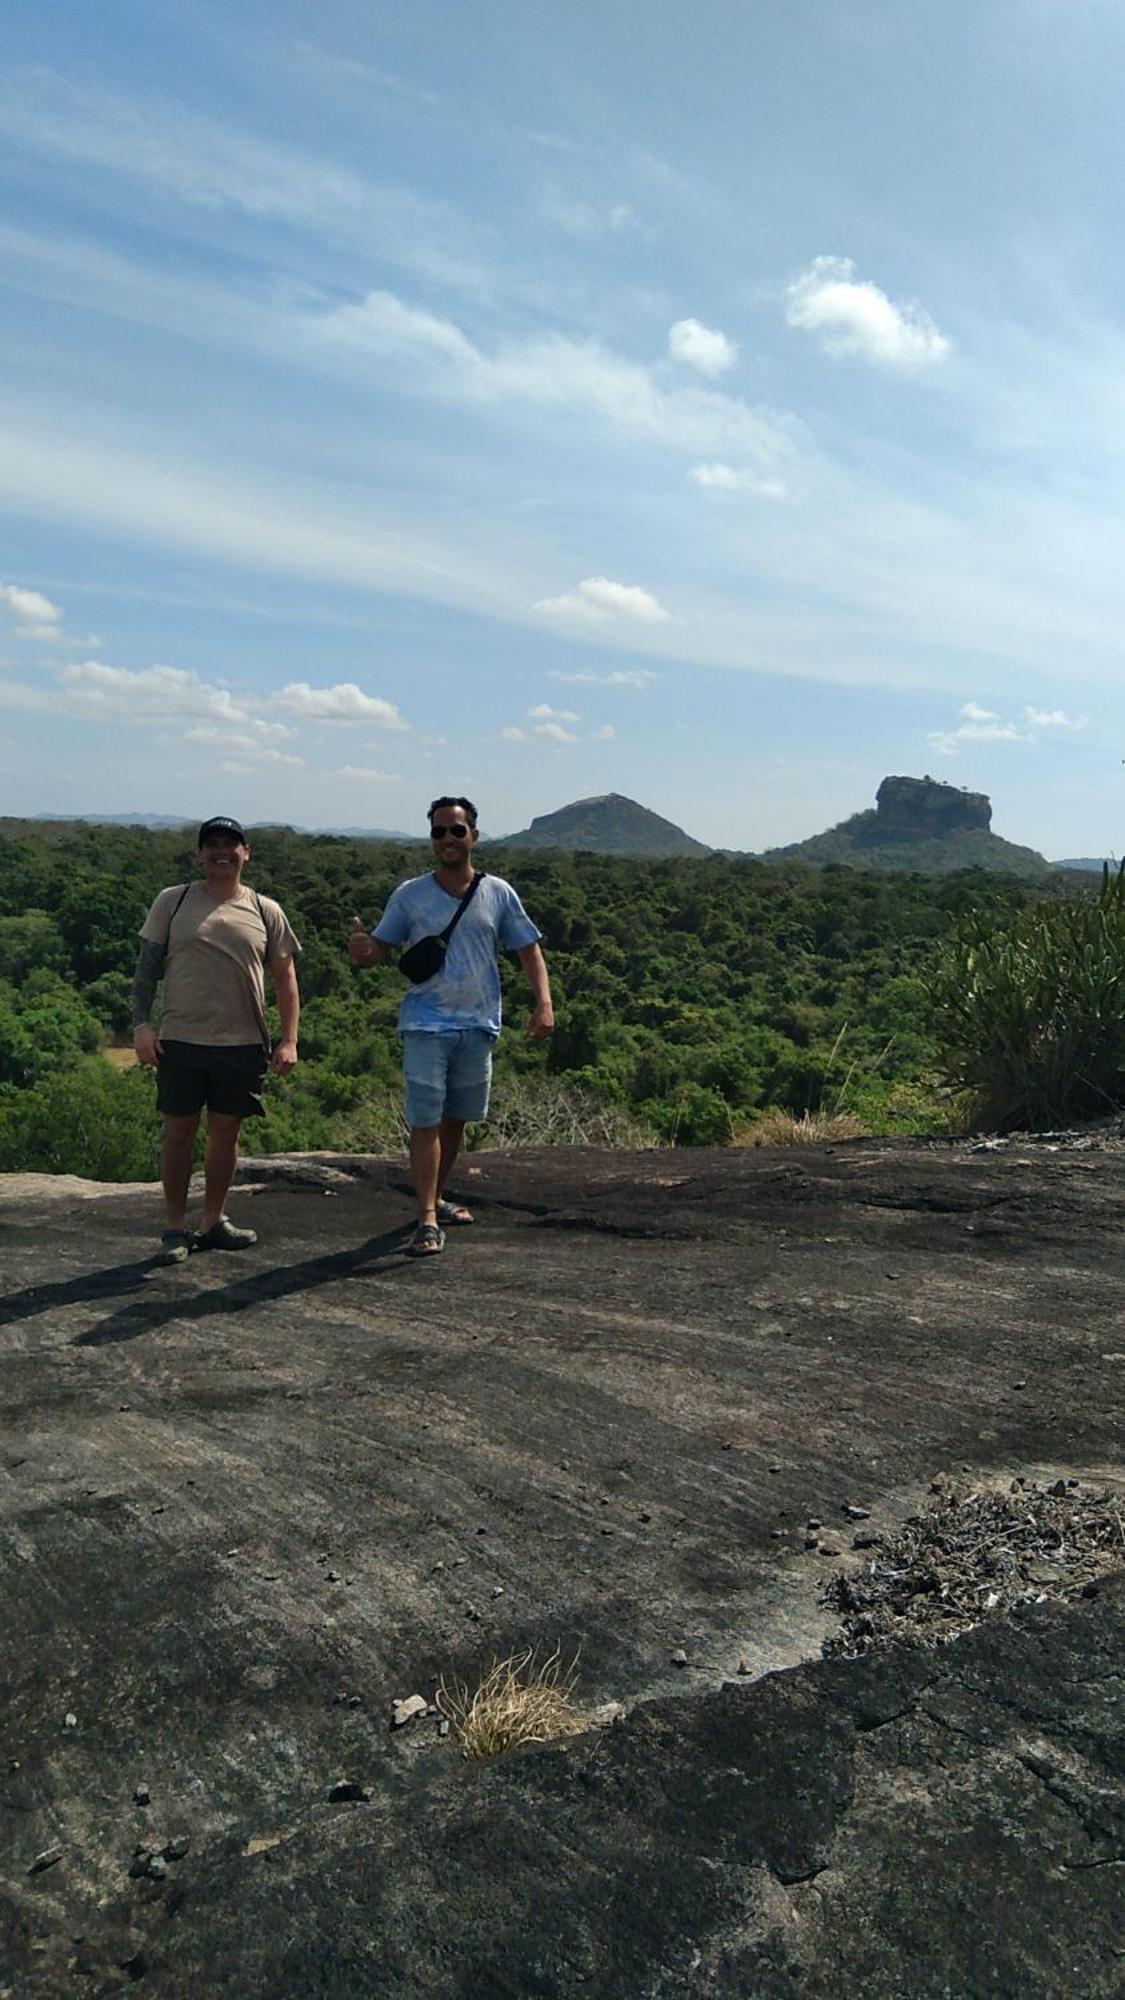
x: 360, y: 947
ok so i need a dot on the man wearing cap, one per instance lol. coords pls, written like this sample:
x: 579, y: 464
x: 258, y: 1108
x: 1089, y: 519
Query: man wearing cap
x: 450, y: 1020
x: 210, y: 942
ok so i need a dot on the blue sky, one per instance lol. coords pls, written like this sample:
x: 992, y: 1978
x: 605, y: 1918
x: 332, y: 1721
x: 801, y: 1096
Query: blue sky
x: 719, y: 405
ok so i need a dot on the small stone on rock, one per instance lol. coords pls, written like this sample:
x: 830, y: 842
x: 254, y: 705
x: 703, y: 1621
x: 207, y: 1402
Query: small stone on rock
x: 405, y: 1710
x: 679, y: 1657
x: 47, y: 1859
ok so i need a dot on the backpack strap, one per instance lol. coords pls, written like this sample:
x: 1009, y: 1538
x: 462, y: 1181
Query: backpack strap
x: 462, y: 906
x: 175, y: 914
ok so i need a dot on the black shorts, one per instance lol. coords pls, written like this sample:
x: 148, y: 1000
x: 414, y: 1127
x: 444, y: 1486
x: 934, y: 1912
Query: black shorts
x: 190, y: 1075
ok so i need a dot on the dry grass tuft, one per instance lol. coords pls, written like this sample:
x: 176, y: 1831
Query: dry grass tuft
x: 518, y: 1701
x: 812, y: 1128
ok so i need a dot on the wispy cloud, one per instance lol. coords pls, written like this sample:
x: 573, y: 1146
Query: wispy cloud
x: 599, y: 600
x: 555, y: 732
x: 555, y: 372
x: 545, y: 713
x: 211, y: 165
x: 977, y: 724
x: 852, y: 316
x: 636, y: 678
x: 1056, y: 718
x: 367, y: 774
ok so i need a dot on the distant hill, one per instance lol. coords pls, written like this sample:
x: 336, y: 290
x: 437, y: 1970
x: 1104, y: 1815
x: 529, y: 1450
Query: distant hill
x: 611, y: 824
x: 165, y: 821
x: 921, y: 826
x: 1090, y: 863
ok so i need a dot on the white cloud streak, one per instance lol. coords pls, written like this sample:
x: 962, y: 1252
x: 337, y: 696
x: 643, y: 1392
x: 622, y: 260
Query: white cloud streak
x: 852, y: 316
x: 553, y: 372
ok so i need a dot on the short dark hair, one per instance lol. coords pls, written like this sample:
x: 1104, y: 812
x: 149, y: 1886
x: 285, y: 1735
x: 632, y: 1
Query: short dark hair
x: 466, y: 805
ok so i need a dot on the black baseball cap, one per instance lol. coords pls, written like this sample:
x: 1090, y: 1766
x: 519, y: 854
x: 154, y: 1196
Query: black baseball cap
x: 221, y: 825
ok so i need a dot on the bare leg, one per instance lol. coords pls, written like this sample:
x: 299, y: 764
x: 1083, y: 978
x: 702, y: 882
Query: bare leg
x: 450, y: 1132
x: 176, y: 1154
x: 219, y: 1163
x: 425, y: 1168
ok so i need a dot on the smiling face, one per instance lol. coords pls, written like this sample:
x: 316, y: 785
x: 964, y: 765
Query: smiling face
x: 452, y: 849
x: 222, y: 858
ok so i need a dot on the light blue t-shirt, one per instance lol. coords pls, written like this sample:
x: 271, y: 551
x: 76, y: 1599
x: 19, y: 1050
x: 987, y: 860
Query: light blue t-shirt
x: 466, y: 992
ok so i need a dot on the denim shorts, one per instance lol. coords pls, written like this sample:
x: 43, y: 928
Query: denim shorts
x: 447, y: 1075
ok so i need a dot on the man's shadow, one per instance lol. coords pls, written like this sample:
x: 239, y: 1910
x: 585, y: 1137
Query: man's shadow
x: 379, y: 1255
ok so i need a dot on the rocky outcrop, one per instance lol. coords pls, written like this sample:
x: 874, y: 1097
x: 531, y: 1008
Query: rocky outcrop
x: 929, y: 809
x: 254, y: 1509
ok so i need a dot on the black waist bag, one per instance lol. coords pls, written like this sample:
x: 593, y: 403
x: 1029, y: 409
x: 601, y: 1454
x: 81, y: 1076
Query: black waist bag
x: 427, y: 956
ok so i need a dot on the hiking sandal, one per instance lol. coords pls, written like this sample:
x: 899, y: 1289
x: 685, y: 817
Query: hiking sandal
x: 454, y: 1214
x: 426, y: 1241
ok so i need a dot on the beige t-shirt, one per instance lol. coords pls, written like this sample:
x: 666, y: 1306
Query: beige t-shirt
x: 214, y: 963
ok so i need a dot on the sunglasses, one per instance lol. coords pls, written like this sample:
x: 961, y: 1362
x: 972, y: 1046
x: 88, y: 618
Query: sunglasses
x: 441, y: 832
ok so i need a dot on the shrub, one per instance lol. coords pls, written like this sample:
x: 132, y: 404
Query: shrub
x: 1031, y: 1019
x: 812, y: 1128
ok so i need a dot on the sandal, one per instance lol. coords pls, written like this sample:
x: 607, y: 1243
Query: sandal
x: 454, y: 1213
x: 426, y: 1241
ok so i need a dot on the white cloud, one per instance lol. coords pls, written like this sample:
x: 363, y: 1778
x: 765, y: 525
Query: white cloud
x: 985, y: 725
x: 701, y: 347
x: 512, y: 735
x: 598, y: 599
x: 977, y: 725
x: 31, y: 700
x: 852, y: 316
x: 554, y: 372
x: 250, y: 747
x: 34, y: 614
x: 605, y: 734
x: 343, y: 703
x: 371, y: 777
x: 722, y: 478
x: 1054, y: 718
x: 146, y: 694
x: 638, y: 679
x: 545, y: 713
x: 555, y: 732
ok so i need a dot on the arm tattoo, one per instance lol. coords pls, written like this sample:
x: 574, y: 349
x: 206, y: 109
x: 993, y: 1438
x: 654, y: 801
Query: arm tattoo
x: 150, y: 964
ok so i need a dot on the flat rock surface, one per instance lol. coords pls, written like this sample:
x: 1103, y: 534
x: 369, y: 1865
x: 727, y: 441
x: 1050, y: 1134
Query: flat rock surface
x: 641, y: 1410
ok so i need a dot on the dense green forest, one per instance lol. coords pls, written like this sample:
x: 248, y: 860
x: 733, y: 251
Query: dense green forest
x: 692, y: 995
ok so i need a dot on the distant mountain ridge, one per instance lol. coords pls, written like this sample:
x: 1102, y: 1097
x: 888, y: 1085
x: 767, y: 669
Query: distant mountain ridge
x: 608, y: 824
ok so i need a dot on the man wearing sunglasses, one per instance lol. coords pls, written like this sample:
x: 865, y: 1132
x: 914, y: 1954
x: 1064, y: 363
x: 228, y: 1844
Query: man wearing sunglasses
x: 450, y: 1021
